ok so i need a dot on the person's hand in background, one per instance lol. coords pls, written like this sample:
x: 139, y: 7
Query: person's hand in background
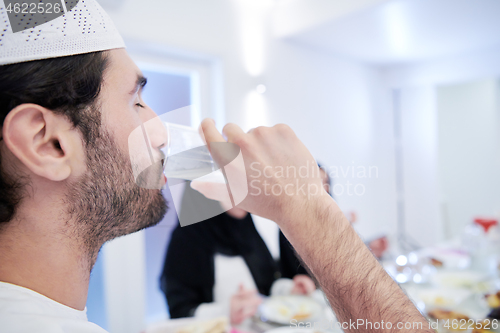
x: 244, y: 304
x: 303, y: 285
x: 379, y: 246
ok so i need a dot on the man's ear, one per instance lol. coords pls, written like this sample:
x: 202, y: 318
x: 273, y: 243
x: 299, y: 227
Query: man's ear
x: 46, y: 143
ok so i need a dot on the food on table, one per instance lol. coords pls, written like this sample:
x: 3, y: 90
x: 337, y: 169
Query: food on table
x: 458, y: 279
x: 301, y: 316
x: 482, y: 287
x: 440, y: 301
x: 436, y: 263
x: 283, y: 309
x: 463, y: 322
x: 440, y: 314
x: 493, y: 300
x: 302, y: 313
x: 218, y: 325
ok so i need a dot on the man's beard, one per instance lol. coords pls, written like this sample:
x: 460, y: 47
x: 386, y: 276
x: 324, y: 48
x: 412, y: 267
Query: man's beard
x: 106, y: 202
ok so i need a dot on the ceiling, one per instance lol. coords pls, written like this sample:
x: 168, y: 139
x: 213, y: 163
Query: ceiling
x: 402, y: 31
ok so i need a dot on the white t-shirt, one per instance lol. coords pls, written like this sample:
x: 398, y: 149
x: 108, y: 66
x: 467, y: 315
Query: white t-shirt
x: 23, y: 310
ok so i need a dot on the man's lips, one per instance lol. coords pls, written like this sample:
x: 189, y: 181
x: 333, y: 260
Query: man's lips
x: 163, y: 163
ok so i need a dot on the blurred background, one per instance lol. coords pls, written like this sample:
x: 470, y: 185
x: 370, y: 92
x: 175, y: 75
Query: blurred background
x: 398, y: 99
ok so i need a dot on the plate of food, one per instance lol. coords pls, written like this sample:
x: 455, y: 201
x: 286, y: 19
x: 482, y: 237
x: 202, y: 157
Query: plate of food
x: 300, y: 330
x: 286, y: 310
x: 450, y: 321
x: 217, y: 325
x: 453, y: 321
x: 445, y: 298
x: 190, y: 325
x: 458, y: 279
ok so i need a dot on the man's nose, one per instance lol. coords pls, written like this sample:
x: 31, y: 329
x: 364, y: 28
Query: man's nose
x: 155, y: 130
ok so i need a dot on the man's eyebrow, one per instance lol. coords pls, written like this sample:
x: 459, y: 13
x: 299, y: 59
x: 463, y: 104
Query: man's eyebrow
x: 139, y: 84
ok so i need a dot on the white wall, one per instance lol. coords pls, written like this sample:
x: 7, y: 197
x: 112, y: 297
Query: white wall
x: 468, y: 151
x: 425, y: 186
x: 449, y: 70
x: 337, y: 109
x: 419, y: 135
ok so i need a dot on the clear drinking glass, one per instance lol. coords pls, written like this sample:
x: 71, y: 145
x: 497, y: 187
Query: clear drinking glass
x: 160, y: 148
x: 187, y: 155
x: 163, y: 153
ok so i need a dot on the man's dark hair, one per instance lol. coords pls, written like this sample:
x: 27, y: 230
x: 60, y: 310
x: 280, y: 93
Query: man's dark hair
x: 68, y: 86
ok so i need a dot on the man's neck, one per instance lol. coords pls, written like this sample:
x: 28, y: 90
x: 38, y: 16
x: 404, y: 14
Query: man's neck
x: 41, y: 256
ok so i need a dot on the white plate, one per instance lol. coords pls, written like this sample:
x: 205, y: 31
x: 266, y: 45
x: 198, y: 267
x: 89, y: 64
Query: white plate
x: 329, y: 329
x: 458, y: 279
x: 291, y: 330
x: 443, y: 298
x: 284, y: 309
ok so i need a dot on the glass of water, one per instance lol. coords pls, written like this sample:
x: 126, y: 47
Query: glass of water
x: 187, y: 155
x: 162, y: 150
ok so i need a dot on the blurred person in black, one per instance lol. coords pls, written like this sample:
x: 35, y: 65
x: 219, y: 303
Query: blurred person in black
x: 221, y: 265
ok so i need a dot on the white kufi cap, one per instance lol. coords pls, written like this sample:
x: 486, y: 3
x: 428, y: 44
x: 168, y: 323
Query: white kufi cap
x: 84, y: 28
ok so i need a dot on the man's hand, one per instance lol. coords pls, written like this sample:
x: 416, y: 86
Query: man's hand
x: 244, y: 304
x: 303, y: 285
x: 280, y: 173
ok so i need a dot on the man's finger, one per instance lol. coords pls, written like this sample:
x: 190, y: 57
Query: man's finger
x: 232, y: 131
x: 210, y: 132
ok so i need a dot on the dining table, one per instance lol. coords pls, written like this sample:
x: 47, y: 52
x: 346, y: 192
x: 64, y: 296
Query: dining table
x: 438, y: 278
